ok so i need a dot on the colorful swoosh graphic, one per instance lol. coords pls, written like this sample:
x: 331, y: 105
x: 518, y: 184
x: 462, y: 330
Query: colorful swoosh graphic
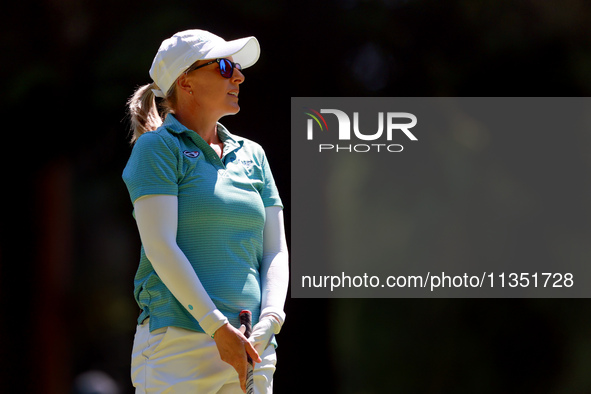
x: 315, y: 116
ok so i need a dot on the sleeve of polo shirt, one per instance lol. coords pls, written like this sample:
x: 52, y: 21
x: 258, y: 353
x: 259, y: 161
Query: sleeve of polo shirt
x: 270, y: 194
x: 152, y: 168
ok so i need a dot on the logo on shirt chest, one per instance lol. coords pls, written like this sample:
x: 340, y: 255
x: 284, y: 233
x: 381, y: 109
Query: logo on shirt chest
x: 246, y: 163
x: 191, y: 154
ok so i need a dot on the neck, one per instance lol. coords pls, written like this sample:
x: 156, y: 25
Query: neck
x: 202, y: 125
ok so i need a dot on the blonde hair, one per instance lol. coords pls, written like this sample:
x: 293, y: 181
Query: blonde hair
x: 144, y: 114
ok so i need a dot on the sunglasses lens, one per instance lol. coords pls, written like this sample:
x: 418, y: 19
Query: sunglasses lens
x: 226, y: 68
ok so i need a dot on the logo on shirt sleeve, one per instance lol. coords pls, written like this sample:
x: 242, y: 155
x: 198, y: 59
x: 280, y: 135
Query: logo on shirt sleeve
x: 191, y: 154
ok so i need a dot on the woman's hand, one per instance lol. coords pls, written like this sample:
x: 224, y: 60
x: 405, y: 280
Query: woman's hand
x: 263, y: 331
x: 233, y: 348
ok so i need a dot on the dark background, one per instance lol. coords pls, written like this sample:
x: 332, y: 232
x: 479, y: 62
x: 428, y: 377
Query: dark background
x: 69, y: 247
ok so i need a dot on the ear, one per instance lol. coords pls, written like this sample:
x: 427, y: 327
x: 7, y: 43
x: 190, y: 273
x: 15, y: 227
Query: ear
x: 184, y: 84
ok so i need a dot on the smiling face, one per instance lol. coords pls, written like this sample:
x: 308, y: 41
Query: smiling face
x: 211, y: 92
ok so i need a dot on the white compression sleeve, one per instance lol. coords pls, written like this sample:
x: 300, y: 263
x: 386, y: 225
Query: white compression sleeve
x: 275, y: 267
x: 157, y: 220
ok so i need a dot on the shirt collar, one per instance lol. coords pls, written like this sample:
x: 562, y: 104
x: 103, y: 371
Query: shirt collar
x: 173, y: 125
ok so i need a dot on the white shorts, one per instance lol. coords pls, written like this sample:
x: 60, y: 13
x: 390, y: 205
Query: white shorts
x: 175, y: 360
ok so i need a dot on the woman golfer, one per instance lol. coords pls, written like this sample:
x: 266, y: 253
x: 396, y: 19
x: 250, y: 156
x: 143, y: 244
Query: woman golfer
x: 211, y: 224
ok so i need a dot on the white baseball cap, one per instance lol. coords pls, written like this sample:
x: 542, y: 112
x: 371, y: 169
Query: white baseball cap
x: 180, y: 51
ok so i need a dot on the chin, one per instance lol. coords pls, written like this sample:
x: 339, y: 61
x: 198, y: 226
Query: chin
x: 234, y: 110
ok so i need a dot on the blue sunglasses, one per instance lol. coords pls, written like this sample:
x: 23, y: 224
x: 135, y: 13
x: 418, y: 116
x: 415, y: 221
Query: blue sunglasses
x: 226, y: 67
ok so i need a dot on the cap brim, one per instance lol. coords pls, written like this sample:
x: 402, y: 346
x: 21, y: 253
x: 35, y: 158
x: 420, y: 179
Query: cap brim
x: 245, y: 51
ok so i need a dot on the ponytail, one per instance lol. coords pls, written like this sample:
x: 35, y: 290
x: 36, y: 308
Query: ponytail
x: 143, y: 111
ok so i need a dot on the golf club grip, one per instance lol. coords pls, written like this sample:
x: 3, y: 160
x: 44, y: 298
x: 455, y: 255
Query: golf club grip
x: 246, y: 319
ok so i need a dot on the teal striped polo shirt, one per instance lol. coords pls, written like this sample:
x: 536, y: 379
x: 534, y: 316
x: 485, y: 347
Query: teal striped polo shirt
x: 221, y: 205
